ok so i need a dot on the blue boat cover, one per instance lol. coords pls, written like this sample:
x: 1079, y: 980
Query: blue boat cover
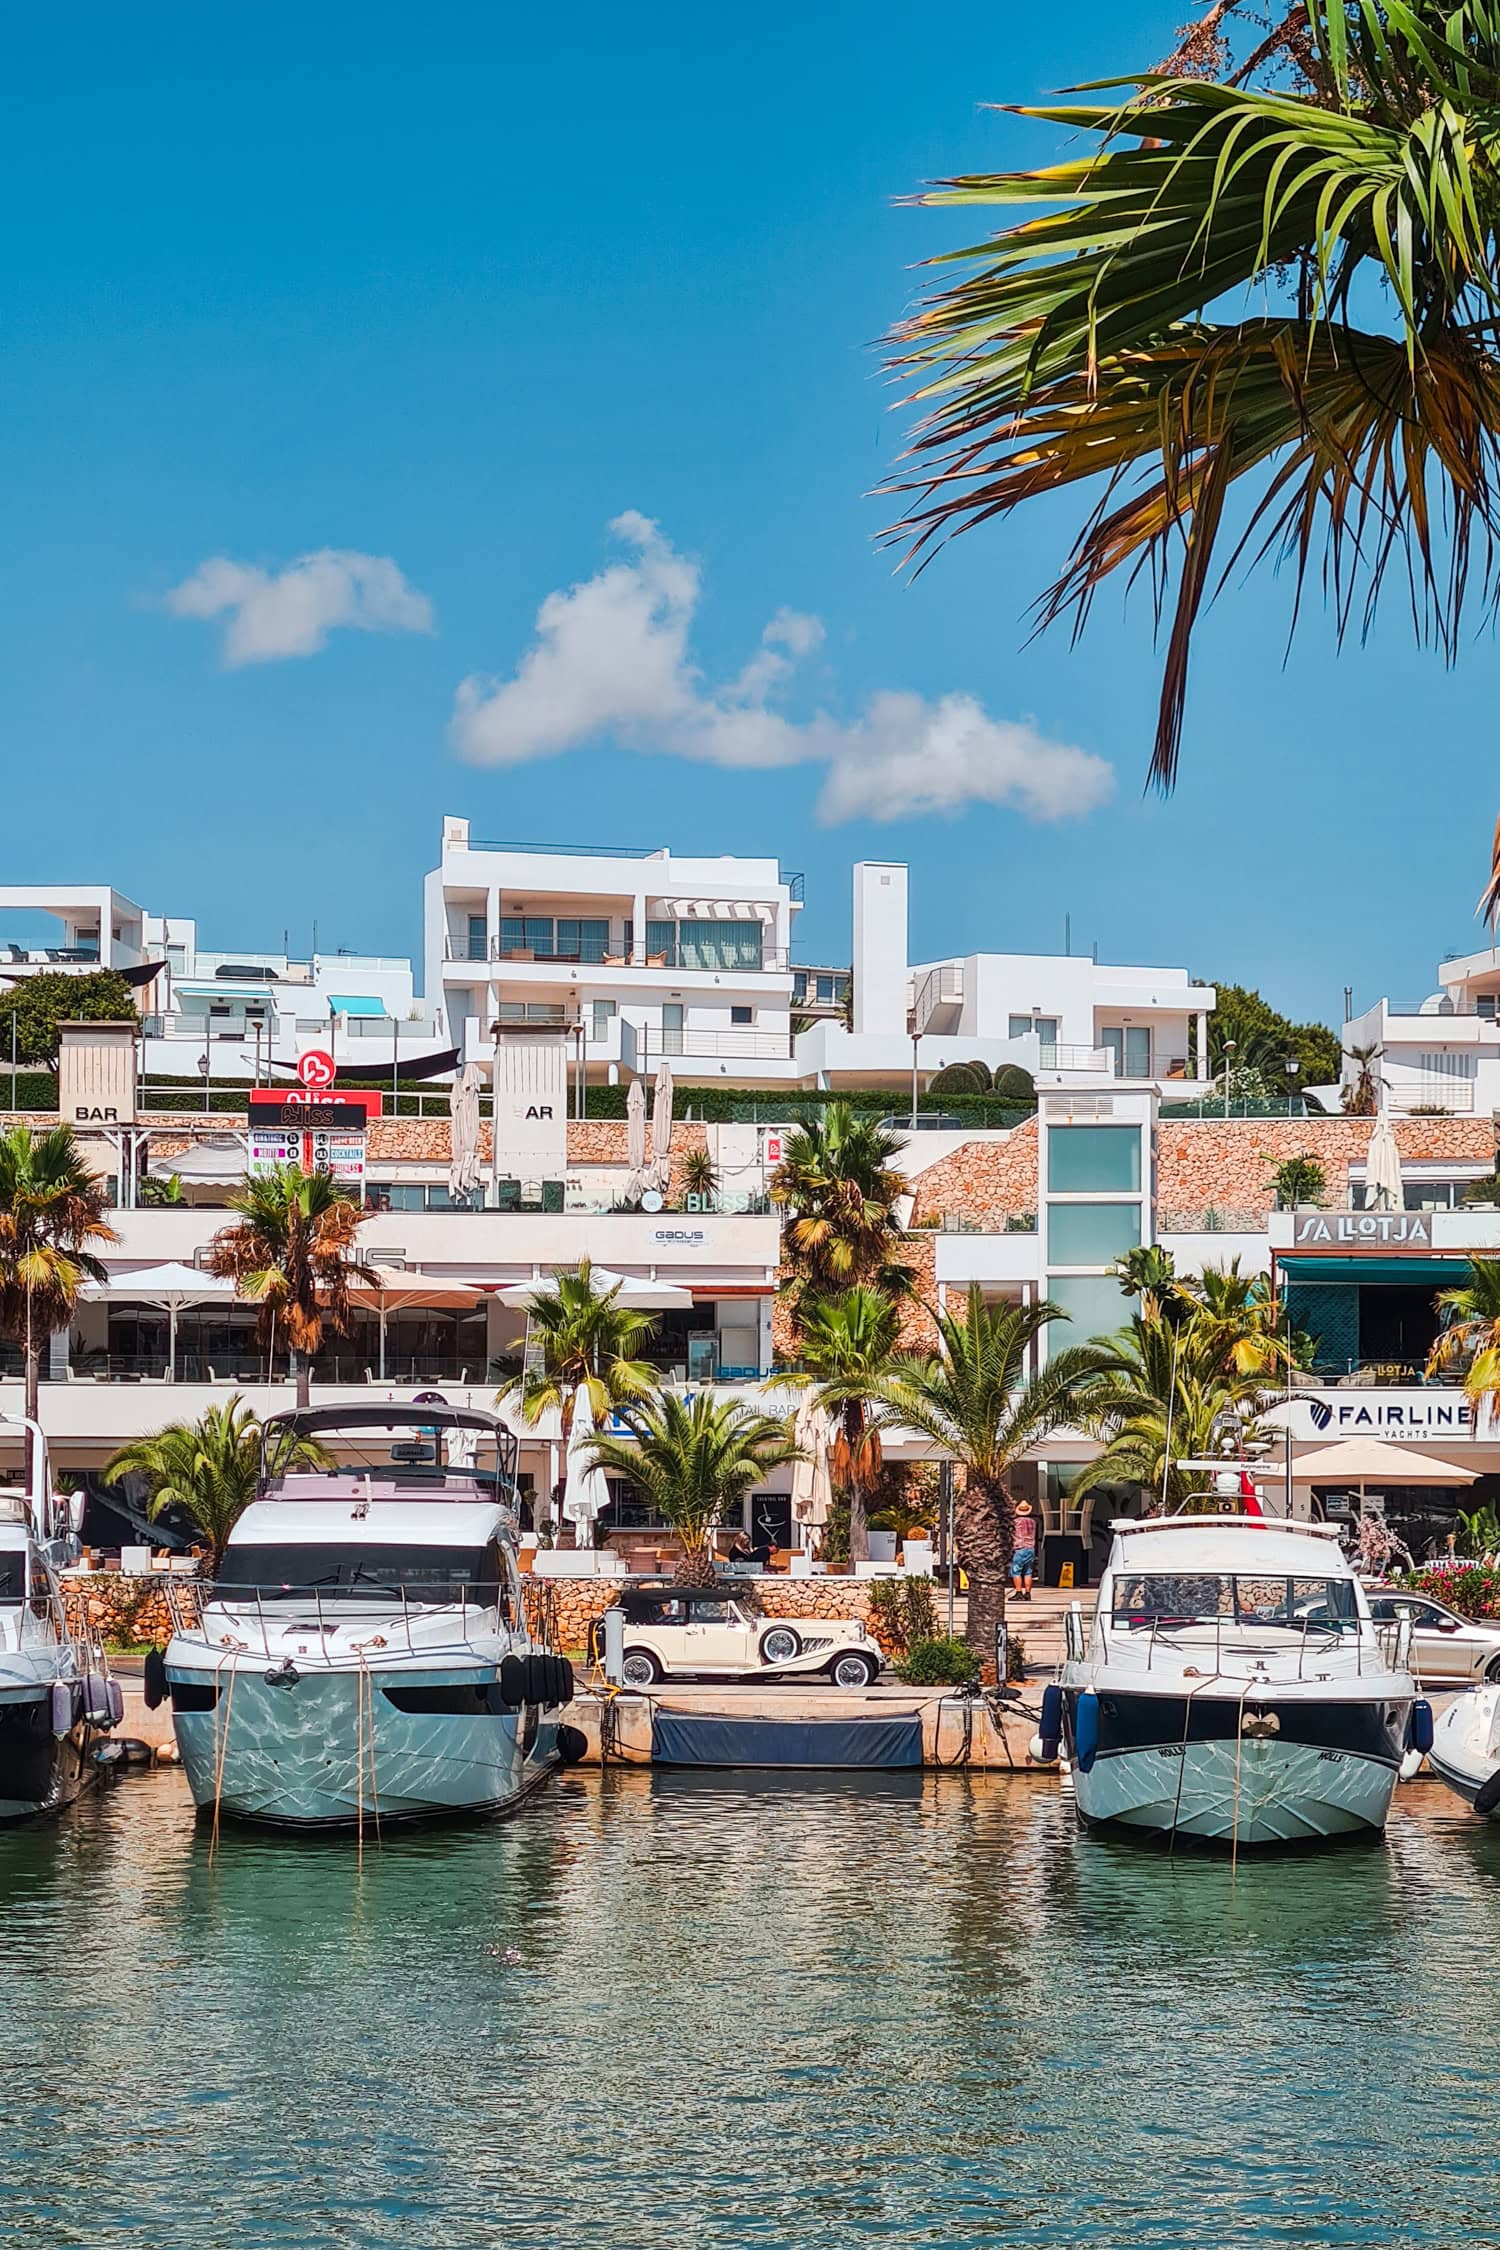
x: 708, y: 1738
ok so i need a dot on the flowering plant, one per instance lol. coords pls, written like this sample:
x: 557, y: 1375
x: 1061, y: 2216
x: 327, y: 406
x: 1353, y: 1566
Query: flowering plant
x: 1473, y: 1590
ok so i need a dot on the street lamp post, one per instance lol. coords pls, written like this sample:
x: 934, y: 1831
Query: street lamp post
x: 1291, y: 1066
x: 1231, y: 1049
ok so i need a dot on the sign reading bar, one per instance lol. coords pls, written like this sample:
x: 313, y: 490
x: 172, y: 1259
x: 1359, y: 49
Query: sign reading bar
x: 1362, y: 1230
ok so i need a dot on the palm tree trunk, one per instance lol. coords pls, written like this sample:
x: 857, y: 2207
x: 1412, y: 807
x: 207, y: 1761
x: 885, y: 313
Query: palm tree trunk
x: 302, y: 1372
x: 859, y: 1535
x: 697, y: 1566
x: 984, y: 1533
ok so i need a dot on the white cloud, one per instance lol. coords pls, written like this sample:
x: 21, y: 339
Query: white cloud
x: 293, y: 612
x: 611, y: 658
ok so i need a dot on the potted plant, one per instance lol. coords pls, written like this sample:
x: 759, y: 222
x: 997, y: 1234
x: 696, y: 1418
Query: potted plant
x: 1299, y: 1184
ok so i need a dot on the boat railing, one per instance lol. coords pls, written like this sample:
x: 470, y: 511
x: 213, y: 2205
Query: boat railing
x: 1235, y: 1638
x: 247, y: 1606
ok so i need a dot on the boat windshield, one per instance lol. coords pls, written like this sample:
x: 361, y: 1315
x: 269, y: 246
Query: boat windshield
x: 12, y: 1574
x: 355, y: 1572
x: 1242, y: 1598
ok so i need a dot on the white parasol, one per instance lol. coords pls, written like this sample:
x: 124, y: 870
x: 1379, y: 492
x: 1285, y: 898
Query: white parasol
x: 586, y: 1493
x: 397, y: 1289
x: 171, y: 1286
x: 635, y: 1140
x: 1383, y: 1184
x: 812, y: 1486
x: 635, y: 1295
x: 661, y: 1126
x: 463, y: 1164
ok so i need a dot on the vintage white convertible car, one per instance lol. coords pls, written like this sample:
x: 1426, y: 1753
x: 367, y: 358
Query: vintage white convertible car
x: 685, y: 1632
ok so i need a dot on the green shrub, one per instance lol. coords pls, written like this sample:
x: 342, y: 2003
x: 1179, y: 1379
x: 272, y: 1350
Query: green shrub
x: 1012, y: 1083
x: 1015, y: 1657
x: 1472, y: 1591
x: 959, y: 1078
x: 903, y: 1609
x: 939, y: 1661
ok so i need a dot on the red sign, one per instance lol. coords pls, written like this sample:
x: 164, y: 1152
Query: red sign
x: 316, y: 1068
x: 293, y: 1105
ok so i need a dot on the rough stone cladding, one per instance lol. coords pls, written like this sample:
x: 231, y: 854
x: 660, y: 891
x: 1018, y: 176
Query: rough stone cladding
x: 120, y: 1605
x: 985, y: 1181
x: 1228, y: 1164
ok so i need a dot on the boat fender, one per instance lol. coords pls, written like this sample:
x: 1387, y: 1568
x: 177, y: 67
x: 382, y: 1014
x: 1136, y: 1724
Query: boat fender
x: 564, y: 1680
x: 1487, y: 1797
x: 1410, y: 1766
x: 154, y: 1679
x: 572, y: 1745
x: 1086, y: 1731
x: 61, y: 1707
x: 514, y: 1681
x: 96, y: 1701
x: 1050, y: 1730
x: 1419, y: 1730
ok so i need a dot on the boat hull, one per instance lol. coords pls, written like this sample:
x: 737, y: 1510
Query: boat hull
x: 40, y: 1772
x: 340, y: 1748
x: 1307, y: 1772
x: 1462, y: 1755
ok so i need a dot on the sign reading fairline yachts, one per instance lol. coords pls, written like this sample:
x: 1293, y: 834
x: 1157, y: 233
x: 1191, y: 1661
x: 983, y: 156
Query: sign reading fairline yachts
x: 1362, y: 1230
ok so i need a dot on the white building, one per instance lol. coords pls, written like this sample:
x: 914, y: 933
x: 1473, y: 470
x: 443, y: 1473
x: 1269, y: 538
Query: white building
x: 640, y: 955
x: 1440, y: 1053
x: 1065, y: 1018
x: 243, y: 1011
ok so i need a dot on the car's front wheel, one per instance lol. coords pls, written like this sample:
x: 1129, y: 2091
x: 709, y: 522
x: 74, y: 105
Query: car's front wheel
x: 1492, y: 1671
x: 639, y: 1668
x: 779, y: 1644
x: 854, y: 1670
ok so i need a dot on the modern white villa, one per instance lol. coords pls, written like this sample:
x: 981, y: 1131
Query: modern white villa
x: 1439, y: 1053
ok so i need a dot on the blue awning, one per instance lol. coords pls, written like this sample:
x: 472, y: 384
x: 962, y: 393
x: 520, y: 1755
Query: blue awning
x: 355, y: 1004
x: 1310, y: 1273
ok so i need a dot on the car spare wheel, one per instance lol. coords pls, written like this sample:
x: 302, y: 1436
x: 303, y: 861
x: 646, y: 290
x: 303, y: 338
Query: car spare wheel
x: 853, y: 1669
x: 639, y: 1668
x: 779, y: 1644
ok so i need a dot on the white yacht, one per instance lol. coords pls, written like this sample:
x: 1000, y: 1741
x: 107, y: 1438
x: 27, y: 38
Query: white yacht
x: 363, y: 1656
x: 56, y: 1694
x: 1234, y: 1687
x: 1466, y: 1750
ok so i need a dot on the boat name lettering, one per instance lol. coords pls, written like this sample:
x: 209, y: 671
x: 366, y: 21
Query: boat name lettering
x: 1363, y: 1230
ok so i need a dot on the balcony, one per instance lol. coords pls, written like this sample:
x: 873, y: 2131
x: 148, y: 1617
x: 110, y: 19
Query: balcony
x: 591, y: 953
x: 653, y: 1043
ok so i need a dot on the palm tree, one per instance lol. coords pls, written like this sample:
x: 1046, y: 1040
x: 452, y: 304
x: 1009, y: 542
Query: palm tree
x: 1239, y: 1324
x: 1470, y: 1333
x: 1150, y: 1273
x: 209, y: 1469
x: 588, y: 1340
x: 1091, y: 339
x: 848, y: 1349
x: 838, y: 1179
x: 975, y: 1400
x: 1362, y: 1097
x: 293, y: 1254
x: 51, y: 1222
x: 1168, y: 1395
x: 693, y: 1462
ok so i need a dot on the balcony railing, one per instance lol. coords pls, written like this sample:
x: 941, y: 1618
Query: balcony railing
x: 1213, y: 1218
x: 711, y: 1046
x: 596, y: 953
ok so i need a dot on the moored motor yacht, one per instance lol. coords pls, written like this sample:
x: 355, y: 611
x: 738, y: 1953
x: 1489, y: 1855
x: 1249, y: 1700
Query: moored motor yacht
x: 1465, y: 1750
x: 1234, y: 1687
x: 363, y: 1655
x: 57, y: 1698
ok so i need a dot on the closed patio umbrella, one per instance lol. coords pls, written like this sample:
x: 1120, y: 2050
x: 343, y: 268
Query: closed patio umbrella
x: 812, y: 1487
x: 586, y: 1492
x: 1384, y: 1189
x: 170, y: 1286
x: 635, y: 1139
x: 661, y: 1126
x: 463, y: 1162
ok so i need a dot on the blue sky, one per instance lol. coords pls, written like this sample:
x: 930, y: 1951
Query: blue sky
x: 458, y: 288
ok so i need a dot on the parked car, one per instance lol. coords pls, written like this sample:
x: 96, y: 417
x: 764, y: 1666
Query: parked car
x: 1444, y: 1646
x: 681, y: 1632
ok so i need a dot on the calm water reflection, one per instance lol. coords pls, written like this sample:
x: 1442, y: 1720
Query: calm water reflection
x: 668, y: 2012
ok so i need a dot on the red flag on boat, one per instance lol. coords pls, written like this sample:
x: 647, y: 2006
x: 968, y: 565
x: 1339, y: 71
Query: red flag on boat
x: 1249, y: 1494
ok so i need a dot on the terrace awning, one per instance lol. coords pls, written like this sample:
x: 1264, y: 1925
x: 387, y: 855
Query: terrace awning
x: 355, y: 1004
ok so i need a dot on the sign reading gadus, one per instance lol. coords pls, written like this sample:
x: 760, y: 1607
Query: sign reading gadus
x: 1434, y: 1416
x: 1362, y: 1230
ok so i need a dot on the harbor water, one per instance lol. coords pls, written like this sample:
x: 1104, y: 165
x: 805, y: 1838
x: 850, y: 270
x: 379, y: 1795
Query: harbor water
x: 674, y: 2012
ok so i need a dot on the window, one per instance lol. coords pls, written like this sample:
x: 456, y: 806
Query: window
x: 546, y: 939
x: 1130, y: 1047
x: 1206, y: 1597
x: 360, y: 1570
x: 603, y: 1010
x: 1093, y: 1159
x: 12, y: 1575
x: 478, y: 937
x: 671, y: 1027
x: 828, y: 990
x: 1094, y: 1303
x: 742, y: 1015
x: 1045, y: 1027
x: 718, y: 945
x: 1091, y: 1234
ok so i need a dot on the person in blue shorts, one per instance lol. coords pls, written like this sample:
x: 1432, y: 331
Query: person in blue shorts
x: 1023, y: 1554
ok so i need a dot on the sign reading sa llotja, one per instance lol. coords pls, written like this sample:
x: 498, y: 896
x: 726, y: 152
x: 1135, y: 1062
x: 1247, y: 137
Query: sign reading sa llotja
x: 1362, y: 1230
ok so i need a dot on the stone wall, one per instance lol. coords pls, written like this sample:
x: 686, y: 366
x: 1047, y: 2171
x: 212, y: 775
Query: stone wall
x: 1228, y: 1163
x: 571, y: 1605
x: 984, y: 1181
x: 121, y: 1607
